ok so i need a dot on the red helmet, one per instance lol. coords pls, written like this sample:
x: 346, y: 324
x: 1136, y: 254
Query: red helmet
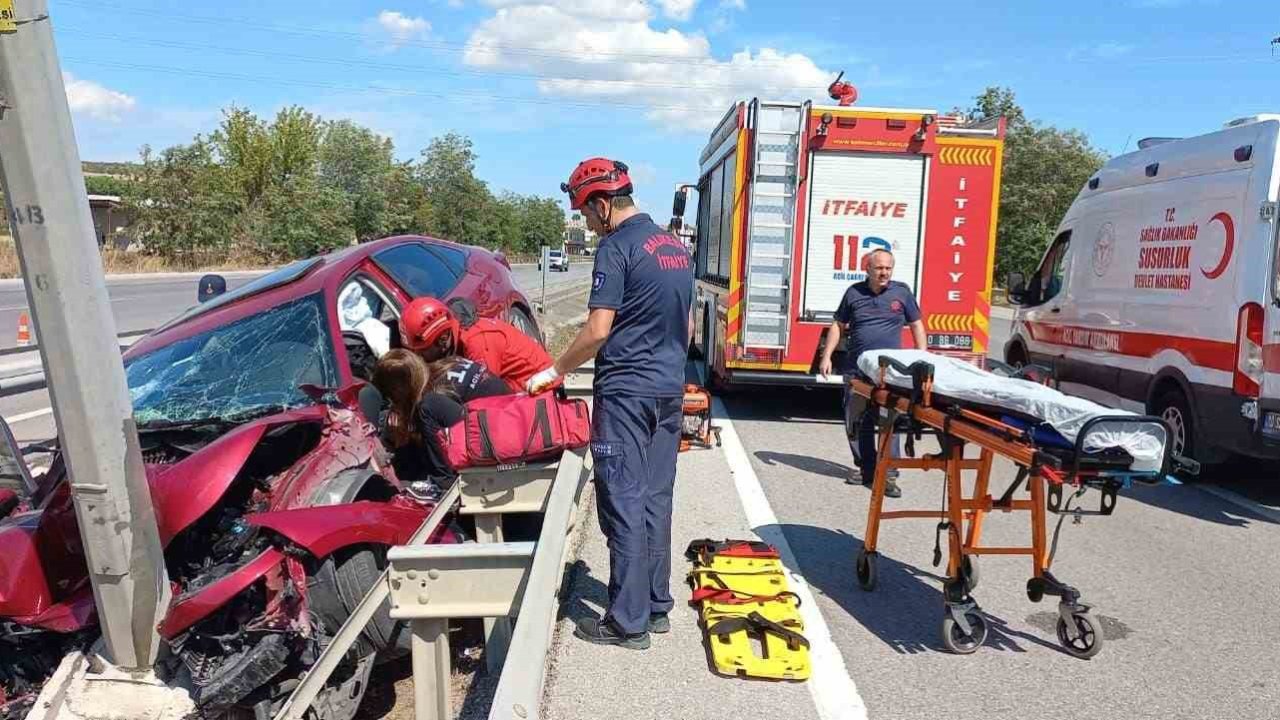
x: 596, y: 175
x: 423, y: 322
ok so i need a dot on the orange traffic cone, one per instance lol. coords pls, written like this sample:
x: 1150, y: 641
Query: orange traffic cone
x: 24, y: 330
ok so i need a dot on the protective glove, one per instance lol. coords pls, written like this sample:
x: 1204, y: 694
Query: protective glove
x: 542, y: 381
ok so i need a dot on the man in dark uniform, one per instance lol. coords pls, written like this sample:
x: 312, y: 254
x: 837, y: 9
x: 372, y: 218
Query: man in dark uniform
x: 638, y: 330
x: 875, y: 310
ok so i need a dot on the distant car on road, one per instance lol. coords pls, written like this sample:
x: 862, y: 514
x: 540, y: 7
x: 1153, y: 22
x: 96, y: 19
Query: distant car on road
x: 557, y: 260
x: 275, y: 497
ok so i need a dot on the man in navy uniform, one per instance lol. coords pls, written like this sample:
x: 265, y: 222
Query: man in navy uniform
x: 638, y: 330
x: 875, y: 310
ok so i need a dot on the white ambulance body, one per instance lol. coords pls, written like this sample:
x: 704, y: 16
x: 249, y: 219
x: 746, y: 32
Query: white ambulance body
x: 1160, y: 291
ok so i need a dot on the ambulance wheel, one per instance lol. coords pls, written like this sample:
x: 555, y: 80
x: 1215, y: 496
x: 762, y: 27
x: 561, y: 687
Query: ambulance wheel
x: 1088, y: 640
x: 1172, y: 407
x: 866, y: 568
x: 969, y: 571
x: 954, y: 637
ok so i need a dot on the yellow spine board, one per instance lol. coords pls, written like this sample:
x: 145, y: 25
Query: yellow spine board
x: 750, y: 651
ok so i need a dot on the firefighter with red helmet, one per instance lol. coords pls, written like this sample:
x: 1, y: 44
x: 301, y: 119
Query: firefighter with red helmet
x: 638, y: 331
x: 430, y: 328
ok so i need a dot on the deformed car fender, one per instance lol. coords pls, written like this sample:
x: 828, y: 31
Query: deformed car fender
x: 323, y: 530
x: 185, y: 491
x: 194, y: 607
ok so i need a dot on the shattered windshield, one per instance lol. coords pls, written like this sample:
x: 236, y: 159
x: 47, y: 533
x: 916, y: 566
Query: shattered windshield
x: 254, y: 364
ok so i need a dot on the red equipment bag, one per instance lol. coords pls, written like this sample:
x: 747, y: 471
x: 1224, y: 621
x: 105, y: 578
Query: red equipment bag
x: 513, y: 429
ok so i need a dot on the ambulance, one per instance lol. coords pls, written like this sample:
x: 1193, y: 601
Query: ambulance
x: 792, y: 196
x: 1160, y: 290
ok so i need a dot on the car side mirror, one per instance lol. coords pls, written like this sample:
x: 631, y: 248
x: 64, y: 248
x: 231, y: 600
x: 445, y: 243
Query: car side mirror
x: 681, y: 199
x: 210, y: 286
x: 1017, y: 287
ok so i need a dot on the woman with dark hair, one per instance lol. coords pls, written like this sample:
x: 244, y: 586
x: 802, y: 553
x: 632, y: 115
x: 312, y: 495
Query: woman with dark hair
x: 415, y: 417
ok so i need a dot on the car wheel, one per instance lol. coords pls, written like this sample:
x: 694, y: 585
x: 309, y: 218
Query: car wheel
x: 340, y: 583
x: 524, y: 322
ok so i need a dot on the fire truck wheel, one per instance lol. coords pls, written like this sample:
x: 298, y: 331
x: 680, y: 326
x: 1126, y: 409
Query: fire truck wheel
x: 866, y: 568
x: 955, y: 638
x: 1088, y: 639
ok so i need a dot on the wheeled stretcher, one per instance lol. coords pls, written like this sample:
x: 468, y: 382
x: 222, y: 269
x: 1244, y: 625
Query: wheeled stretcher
x: 1063, y: 446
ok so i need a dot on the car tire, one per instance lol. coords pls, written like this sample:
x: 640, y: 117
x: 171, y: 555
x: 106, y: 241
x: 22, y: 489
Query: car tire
x: 1171, y: 405
x: 340, y: 583
x: 524, y: 322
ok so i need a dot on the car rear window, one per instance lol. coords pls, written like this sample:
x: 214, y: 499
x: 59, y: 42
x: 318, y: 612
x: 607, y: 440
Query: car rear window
x: 423, y: 272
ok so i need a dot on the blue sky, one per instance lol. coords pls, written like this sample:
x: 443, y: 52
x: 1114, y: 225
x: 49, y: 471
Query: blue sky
x: 538, y: 85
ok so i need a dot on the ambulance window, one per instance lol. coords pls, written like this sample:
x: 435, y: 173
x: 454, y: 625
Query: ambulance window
x: 1048, y: 280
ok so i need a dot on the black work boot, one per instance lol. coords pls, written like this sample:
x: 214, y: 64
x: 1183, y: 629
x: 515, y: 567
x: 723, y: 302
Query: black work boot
x: 659, y: 623
x: 603, y: 632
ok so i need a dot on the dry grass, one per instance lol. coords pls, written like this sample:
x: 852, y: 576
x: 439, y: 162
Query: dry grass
x: 560, y: 338
x: 115, y: 262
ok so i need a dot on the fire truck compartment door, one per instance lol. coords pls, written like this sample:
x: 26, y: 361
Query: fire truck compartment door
x: 859, y: 202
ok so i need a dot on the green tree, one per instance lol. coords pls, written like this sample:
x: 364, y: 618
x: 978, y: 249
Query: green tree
x: 184, y: 201
x: 1044, y: 169
x: 105, y: 185
x: 541, y: 223
x: 300, y: 218
x: 458, y: 201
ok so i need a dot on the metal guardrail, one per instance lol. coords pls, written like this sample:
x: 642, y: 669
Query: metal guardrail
x: 490, y: 579
x: 33, y: 379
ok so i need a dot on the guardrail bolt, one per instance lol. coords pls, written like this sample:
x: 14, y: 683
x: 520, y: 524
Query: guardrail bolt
x: 412, y: 574
x: 423, y: 599
x: 433, y: 574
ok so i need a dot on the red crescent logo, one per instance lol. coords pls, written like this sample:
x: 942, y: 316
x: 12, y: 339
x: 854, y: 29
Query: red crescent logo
x: 1230, y: 228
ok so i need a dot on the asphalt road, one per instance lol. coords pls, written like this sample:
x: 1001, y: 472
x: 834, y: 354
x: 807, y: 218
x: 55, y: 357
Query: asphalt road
x: 1182, y: 578
x: 143, y: 303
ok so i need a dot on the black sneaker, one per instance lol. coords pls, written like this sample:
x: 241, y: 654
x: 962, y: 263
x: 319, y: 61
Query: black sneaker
x: 855, y: 477
x: 604, y: 633
x: 659, y: 623
x: 891, y: 488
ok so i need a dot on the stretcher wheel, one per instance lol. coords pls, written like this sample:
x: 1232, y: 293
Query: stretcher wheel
x: 969, y: 571
x: 1035, y: 590
x: 955, y: 638
x: 866, y: 568
x: 1089, y: 637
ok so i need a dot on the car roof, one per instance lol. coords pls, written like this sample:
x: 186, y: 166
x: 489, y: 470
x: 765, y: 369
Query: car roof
x: 299, y: 279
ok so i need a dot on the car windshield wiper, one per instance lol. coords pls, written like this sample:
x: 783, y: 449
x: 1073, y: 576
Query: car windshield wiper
x: 254, y: 413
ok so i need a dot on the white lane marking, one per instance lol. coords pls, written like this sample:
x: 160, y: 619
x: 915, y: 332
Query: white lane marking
x: 14, y: 420
x: 834, y: 693
x: 1241, y: 501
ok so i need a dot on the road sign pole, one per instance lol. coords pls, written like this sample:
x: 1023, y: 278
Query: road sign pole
x: 66, y: 290
x: 546, y: 262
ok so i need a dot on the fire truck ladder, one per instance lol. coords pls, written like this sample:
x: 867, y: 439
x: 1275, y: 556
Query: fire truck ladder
x: 771, y: 221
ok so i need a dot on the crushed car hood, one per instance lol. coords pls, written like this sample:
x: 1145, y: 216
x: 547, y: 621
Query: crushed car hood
x: 43, y: 581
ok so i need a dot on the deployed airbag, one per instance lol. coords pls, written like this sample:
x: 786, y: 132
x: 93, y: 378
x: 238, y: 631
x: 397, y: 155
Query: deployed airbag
x: 961, y: 381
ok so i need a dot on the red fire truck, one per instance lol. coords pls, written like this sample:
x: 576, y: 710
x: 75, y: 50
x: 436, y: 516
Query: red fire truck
x: 792, y: 196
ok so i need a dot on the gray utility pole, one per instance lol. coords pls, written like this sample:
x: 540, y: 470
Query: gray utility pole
x: 50, y: 220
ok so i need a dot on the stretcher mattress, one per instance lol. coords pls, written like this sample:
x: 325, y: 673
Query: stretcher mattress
x: 960, y: 381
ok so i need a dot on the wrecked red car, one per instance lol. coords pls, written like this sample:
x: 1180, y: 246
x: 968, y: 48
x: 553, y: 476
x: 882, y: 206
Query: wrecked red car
x: 274, y: 494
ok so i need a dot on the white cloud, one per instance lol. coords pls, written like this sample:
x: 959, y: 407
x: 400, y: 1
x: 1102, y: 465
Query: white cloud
x: 611, y: 10
x: 1112, y: 50
x: 671, y: 73
x: 400, y: 27
x: 733, y: 4
x: 90, y: 98
x: 680, y: 10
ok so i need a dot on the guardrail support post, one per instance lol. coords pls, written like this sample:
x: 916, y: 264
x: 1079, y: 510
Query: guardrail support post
x: 432, y: 674
x: 497, y: 631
